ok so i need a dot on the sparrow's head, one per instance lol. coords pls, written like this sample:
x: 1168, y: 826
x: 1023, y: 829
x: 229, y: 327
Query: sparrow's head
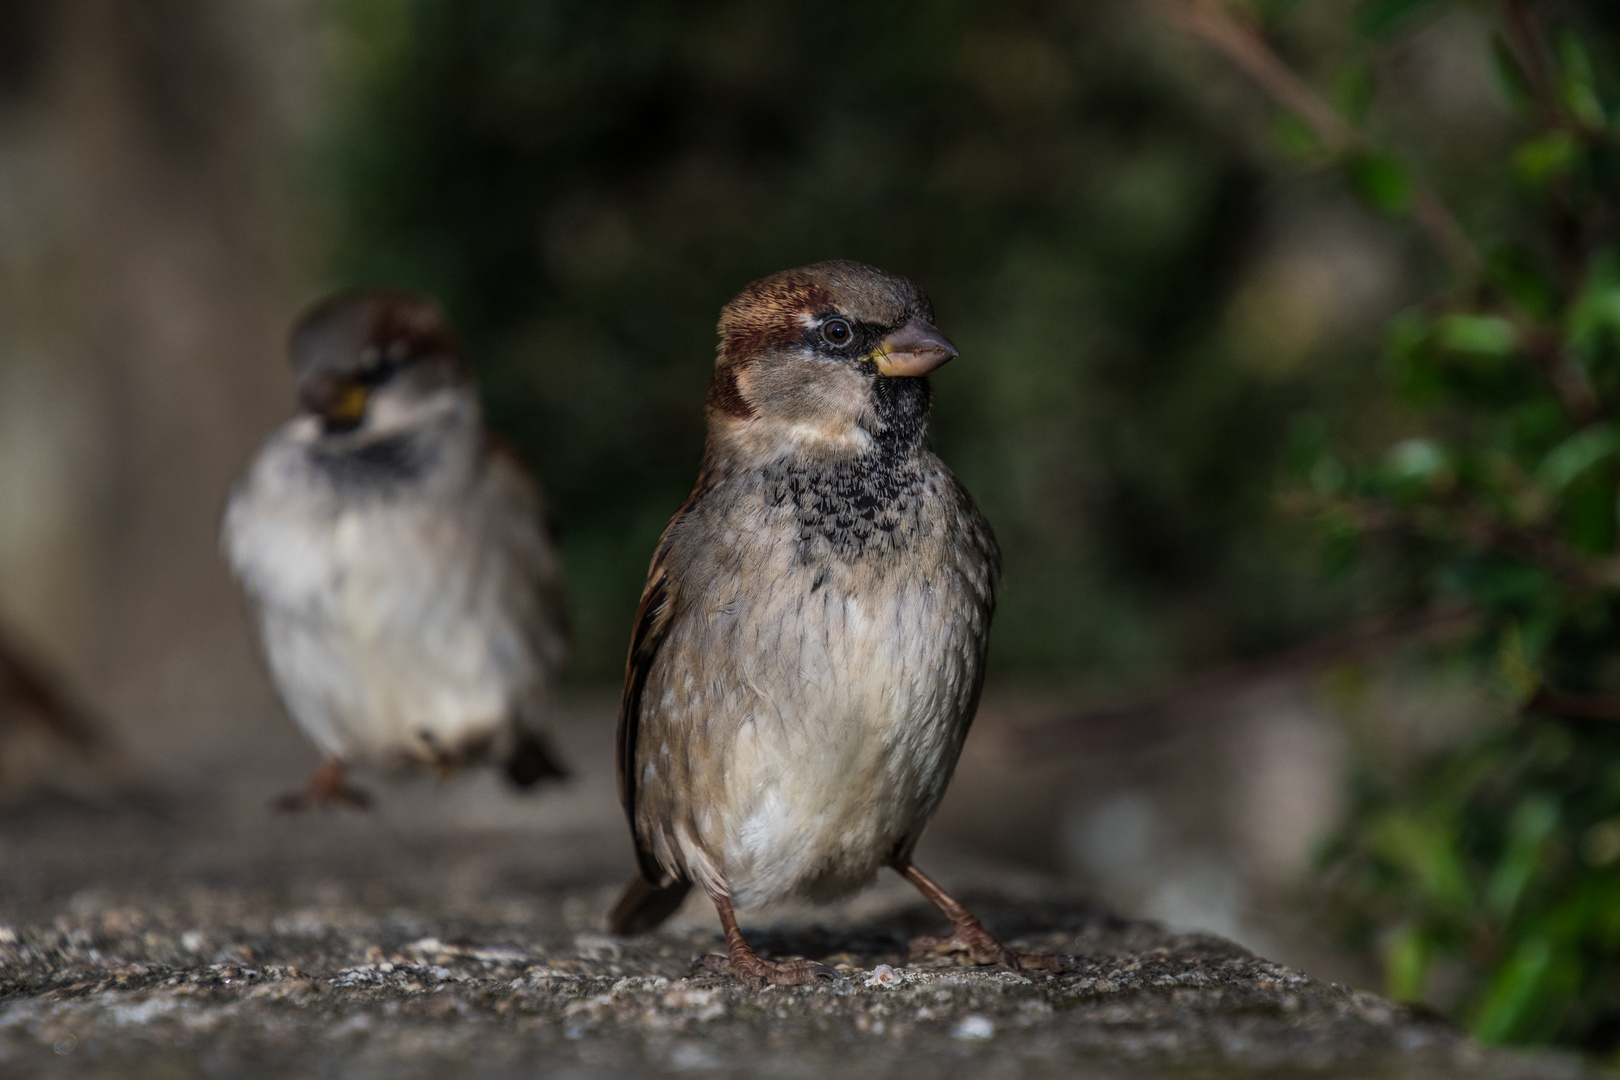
x: 825, y: 356
x: 373, y: 358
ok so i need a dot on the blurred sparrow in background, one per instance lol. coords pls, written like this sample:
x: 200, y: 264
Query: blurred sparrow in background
x: 397, y: 559
x: 810, y: 645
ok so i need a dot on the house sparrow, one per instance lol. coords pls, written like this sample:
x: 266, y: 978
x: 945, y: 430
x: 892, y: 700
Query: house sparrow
x: 397, y: 559
x: 811, y: 639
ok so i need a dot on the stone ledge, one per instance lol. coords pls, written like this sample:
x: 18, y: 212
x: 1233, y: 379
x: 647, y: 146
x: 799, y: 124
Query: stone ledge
x: 192, y: 944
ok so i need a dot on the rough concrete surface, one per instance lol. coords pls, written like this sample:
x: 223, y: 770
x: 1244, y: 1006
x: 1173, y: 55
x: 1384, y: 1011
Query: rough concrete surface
x: 457, y: 932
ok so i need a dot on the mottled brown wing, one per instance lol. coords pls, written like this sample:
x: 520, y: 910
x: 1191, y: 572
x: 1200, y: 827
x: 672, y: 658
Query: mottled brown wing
x: 653, y: 619
x: 532, y: 596
x: 534, y: 541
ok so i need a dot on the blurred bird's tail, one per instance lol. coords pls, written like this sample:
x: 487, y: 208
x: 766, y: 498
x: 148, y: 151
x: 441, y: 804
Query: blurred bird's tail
x: 644, y: 906
x: 533, y: 761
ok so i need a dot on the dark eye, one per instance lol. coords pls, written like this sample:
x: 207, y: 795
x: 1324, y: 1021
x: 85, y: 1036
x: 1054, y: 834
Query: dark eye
x: 836, y: 331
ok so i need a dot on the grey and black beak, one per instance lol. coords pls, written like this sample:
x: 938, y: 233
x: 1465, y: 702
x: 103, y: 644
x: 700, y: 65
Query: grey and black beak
x: 915, y: 349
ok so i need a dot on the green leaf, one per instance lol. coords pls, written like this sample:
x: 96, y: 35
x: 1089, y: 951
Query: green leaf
x: 1307, y: 442
x: 1409, y: 354
x: 1515, y: 84
x: 1572, y: 457
x: 1515, y: 992
x: 1546, y: 158
x: 1423, y: 850
x: 1417, y: 461
x: 1379, y: 19
x: 1381, y: 180
x: 1520, y: 273
x: 1516, y: 664
x: 1479, y: 335
x: 1578, y: 87
x: 1328, y: 475
x: 1594, y: 317
x: 1406, y: 964
x: 1586, y: 513
x: 1533, y: 821
x: 1295, y: 138
x: 1353, y: 89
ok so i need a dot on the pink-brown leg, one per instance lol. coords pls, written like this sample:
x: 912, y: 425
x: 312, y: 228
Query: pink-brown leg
x: 741, y: 961
x: 968, y: 934
x: 326, y: 788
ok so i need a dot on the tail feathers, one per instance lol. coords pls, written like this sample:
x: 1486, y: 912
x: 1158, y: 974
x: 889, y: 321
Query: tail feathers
x: 532, y: 761
x: 644, y: 906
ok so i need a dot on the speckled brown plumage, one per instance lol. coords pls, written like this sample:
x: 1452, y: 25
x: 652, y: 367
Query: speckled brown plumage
x: 810, y: 645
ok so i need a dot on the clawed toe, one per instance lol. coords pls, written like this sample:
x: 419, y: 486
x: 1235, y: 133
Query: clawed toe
x: 762, y: 973
x: 351, y: 797
x: 326, y: 788
x: 1054, y: 963
x: 975, y: 941
x: 981, y: 948
x: 819, y: 972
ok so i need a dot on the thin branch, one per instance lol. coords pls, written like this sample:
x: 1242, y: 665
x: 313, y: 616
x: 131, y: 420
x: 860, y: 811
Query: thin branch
x: 1244, y: 45
x: 1526, y: 42
x: 1530, y: 49
x: 1436, y: 221
x: 1451, y: 518
x: 1147, y: 718
x: 1565, y: 378
x: 1485, y: 530
x: 1548, y: 702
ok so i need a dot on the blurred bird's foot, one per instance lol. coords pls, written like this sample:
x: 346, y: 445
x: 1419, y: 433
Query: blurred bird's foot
x: 969, y: 936
x: 752, y: 971
x: 533, y: 761
x: 743, y: 964
x: 326, y: 788
x: 1055, y: 963
x: 982, y: 947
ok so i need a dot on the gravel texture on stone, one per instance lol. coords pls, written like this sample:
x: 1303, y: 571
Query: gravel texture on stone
x: 188, y: 940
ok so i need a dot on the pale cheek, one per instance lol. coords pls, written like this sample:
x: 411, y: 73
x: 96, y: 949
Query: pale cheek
x: 402, y: 408
x: 808, y: 392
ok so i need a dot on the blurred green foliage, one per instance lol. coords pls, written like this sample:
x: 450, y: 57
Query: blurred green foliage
x: 586, y: 182
x: 1145, y: 354
x: 1488, y: 874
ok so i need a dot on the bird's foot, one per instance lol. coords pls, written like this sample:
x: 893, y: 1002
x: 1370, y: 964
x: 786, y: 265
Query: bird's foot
x: 751, y: 971
x: 969, y: 937
x: 1054, y: 963
x: 981, y: 947
x: 326, y: 788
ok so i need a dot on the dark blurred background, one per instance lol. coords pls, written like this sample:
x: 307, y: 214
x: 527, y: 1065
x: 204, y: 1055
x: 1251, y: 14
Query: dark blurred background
x: 1157, y: 290
x: 586, y: 184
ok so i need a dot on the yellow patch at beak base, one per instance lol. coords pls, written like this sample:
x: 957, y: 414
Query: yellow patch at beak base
x: 350, y: 405
x: 914, y: 349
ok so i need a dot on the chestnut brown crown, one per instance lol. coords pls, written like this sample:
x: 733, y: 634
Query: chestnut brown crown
x: 358, y: 343
x: 841, y: 315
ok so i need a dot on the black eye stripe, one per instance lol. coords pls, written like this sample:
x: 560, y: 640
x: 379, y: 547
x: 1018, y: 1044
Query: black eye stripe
x: 858, y: 337
x: 380, y: 371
